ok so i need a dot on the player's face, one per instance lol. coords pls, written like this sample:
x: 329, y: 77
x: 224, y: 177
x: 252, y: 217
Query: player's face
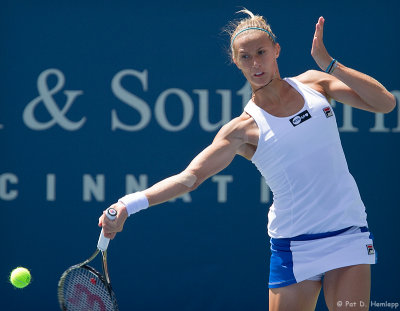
x: 256, y: 57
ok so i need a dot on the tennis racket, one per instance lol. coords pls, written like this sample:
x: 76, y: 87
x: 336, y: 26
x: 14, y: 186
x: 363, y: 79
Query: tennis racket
x: 82, y: 288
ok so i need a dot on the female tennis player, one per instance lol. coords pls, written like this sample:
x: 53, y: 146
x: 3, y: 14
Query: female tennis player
x: 317, y: 222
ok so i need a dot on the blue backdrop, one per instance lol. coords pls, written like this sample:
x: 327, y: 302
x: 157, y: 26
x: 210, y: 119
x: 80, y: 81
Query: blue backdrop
x: 100, y: 98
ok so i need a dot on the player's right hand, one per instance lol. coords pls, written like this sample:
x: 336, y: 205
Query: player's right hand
x: 112, y: 227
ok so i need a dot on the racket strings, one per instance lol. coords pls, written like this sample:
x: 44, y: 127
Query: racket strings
x: 83, y: 290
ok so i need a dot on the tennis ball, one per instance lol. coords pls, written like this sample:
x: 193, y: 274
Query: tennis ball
x: 20, y: 277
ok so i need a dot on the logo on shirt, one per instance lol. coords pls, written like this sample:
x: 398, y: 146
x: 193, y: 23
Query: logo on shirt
x: 370, y: 248
x: 328, y: 112
x: 300, y: 118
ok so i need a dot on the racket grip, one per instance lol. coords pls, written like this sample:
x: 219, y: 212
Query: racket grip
x: 102, y: 244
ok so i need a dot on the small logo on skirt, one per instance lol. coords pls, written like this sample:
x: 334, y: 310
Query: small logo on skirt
x: 370, y: 249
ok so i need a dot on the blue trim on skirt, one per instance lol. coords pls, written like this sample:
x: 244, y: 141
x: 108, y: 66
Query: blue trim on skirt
x: 281, y: 262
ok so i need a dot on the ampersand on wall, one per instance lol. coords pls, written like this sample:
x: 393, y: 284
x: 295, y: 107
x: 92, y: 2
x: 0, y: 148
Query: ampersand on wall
x: 46, y: 96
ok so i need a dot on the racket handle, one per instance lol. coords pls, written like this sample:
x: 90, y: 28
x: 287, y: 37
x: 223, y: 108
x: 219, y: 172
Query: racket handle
x: 102, y: 244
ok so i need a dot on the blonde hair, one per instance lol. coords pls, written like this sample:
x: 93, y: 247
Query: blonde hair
x: 250, y: 22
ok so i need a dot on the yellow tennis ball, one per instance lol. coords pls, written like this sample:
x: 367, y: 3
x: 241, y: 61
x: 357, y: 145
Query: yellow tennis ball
x: 20, y: 277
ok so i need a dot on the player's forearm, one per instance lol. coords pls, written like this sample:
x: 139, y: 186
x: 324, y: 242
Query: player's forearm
x: 373, y: 93
x: 207, y: 163
x: 169, y: 188
x: 162, y: 191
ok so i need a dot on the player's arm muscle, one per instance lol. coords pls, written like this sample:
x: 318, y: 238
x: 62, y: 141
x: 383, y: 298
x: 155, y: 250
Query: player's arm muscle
x: 352, y: 88
x: 209, y: 162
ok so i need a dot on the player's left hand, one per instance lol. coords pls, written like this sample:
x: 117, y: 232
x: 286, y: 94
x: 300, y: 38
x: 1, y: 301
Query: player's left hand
x: 318, y: 50
x: 112, y: 227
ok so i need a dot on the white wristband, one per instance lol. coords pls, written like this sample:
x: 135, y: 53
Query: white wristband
x: 134, y: 202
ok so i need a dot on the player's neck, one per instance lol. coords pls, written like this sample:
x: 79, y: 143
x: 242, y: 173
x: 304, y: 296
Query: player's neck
x: 269, y: 95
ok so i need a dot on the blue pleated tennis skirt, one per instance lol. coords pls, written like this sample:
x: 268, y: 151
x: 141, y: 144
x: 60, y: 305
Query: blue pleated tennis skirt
x: 300, y: 258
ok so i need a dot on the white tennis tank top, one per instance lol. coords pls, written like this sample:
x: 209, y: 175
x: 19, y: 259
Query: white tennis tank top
x: 302, y: 161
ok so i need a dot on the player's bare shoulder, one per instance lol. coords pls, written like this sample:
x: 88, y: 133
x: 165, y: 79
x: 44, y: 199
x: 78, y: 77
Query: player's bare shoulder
x: 242, y: 132
x: 248, y: 130
x: 315, y: 79
x: 242, y: 127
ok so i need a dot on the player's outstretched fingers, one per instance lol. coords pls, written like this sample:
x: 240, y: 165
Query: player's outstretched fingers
x: 318, y: 50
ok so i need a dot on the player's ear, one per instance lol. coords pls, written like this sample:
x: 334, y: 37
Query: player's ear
x: 234, y: 60
x: 277, y: 50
